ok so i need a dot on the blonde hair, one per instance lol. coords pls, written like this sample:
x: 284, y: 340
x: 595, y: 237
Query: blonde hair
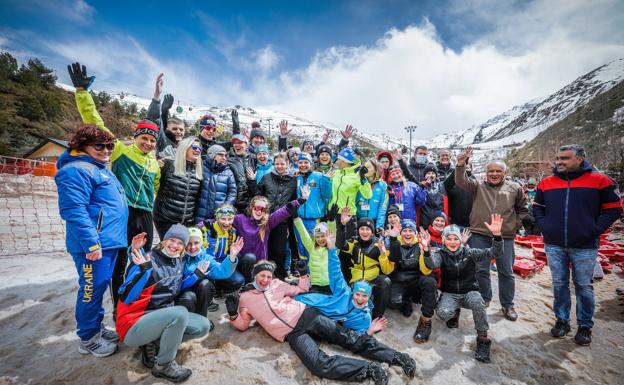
x: 179, y: 163
x: 378, y: 170
x: 264, y: 221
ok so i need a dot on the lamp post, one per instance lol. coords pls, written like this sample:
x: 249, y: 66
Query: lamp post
x: 410, y: 129
x: 269, y: 120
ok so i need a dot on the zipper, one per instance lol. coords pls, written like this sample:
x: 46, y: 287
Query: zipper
x: 565, y: 215
x: 141, y: 180
x: 186, y: 193
x: 458, y: 275
x: 272, y: 311
x: 100, y: 220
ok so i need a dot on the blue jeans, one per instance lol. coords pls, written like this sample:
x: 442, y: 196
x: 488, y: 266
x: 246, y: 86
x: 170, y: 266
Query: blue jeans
x: 504, y: 265
x: 93, y: 280
x: 583, y: 261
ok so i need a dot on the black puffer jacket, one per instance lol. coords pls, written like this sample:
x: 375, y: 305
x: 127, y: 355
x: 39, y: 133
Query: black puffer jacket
x: 436, y: 202
x: 459, y: 202
x: 279, y: 189
x: 406, y: 259
x: 238, y: 165
x: 177, y: 196
x: 443, y: 171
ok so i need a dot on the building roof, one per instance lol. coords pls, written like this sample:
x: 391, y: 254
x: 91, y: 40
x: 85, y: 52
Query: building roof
x: 62, y: 143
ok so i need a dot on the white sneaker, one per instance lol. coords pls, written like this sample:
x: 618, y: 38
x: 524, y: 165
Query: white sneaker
x: 97, y: 346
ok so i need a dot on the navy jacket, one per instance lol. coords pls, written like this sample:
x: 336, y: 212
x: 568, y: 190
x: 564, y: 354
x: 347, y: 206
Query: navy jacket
x: 218, y: 188
x: 574, y: 209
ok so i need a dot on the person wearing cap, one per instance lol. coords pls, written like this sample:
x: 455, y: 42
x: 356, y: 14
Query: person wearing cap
x: 458, y: 265
x: 324, y: 159
x: 240, y: 162
x: 264, y: 163
x: 435, y: 229
x: 404, y: 194
x: 315, y: 207
x: 218, y: 185
x: 256, y: 137
x: 293, y: 157
x: 411, y: 280
x: 198, y: 298
x: 270, y: 302
x: 147, y: 315
x: 375, y: 207
x: 364, y: 257
x: 134, y: 165
x: 180, y: 185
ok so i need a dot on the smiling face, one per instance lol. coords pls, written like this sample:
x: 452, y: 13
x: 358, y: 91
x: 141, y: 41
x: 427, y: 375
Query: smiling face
x: 360, y: 299
x: 408, y: 235
x: 145, y: 143
x: 439, y: 223
x: 324, y: 158
x: 262, y: 158
x: 99, y: 151
x: 309, y: 147
x: 280, y: 165
x: 431, y: 176
x: 444, y: 157
x: 263, y: 279
x: 259, y: 209
x: 495, y: 174
x: 257, y: 141
x: 385, y: 163
x: 193, y: 152
x: 240, y: 148
x: 194, y: 245
x: 173, y: 247
x: 176, y: 129
x: 452, y: 242
x: 321, y: 239
x: 365, y: 233
x: 568, y: 161
x: 208, y: 131
x: 393, y: 220
x: 304, y: 166
x: 396, y: 175
x: 225, y: 221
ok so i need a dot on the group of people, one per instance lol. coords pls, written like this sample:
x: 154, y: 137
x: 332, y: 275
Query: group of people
x: 314, y: 243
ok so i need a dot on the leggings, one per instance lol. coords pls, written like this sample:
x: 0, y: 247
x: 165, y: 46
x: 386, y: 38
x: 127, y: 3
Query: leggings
x: 172, y: 325
x: 197, y: 298
x: 313, y: 327
x: 278, y: 239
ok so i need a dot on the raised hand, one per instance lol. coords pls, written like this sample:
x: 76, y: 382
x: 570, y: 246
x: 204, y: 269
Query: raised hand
x: 424, y: 238
x: 203, y: 266
x: 332, y: 213
x: 78, y: 75
x: 167, y: 102
x: 236, y: 248
x: 283, y: 127
x: 394, y: 231
x: 330, y: 174
x: 396, y: 154
x: 138, y: 241
x: 138, y: 258
x: 158, y: 86
x: 347, y: 132
x: 251, y: 174
x: 381, y: 246
x: 496, y: 226
x: 331, y: 239
x: 465, y: 235
x: 461, y: 158
x: 235, y: 117
x: 344, y: 216
x: 377, y: 325
x: 305, y: 191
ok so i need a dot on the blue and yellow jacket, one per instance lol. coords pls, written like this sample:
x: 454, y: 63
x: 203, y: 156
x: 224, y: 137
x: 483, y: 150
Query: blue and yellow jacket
x: 339, y: 305
x: 151, y: 286
x: 219, y: 246
x: 137, y: 171
x: 216, y: 270
x: 573, y: 209
x: 374, y: 208
x: 320, y: 194
x: 92, y: 203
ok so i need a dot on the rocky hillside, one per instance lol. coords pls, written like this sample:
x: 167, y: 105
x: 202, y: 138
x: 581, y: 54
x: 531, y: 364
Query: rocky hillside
x: 598, y: 126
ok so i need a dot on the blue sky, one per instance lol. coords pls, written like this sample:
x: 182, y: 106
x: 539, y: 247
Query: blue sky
x: 378, y: 64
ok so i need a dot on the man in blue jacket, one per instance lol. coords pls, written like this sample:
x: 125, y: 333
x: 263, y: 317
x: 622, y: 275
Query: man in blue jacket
x: 573, y: 207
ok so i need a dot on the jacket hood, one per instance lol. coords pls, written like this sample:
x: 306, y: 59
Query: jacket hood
x: 74, y: 156
x: 585, y: 167
x: 214, y: 166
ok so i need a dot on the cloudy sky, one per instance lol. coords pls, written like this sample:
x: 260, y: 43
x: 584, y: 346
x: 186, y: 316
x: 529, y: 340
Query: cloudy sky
x: 380, y: 65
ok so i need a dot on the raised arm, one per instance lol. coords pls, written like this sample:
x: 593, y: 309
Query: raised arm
x: 461, y: 178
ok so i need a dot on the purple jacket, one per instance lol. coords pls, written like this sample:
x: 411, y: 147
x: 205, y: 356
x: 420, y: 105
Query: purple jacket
x: 248, y: 228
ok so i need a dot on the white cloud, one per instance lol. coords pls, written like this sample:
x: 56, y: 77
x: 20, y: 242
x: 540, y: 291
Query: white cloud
x: 266, y: 58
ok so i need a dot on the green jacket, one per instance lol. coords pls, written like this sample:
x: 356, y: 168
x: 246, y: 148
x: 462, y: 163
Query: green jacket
x: 345, y: 185
x: 317, y: 262
x: 137, y: 171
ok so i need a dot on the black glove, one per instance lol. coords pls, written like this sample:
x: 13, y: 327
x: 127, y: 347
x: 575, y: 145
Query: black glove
x: 301, y: 268
x: 79, y: 76
x: 231, y: 304
x: 235, y: 122
x: 332, y: 213
x: 293, y: 210
x: 363, y: 171
x: 167, y: 103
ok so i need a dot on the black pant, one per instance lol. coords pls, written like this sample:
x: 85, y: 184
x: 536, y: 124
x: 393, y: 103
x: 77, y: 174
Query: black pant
x: 381, y: 295
x: 277, y: 249
x: 139, y: 221
x: 313, y: 326
x: 343, y: 234
x: 423, y: 289
x: 162, y: 227
x: 197, y: 298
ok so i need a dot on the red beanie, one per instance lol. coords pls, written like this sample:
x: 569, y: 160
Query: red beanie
x: 146, y: 127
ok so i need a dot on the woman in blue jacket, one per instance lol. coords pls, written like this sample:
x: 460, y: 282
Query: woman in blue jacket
x: 93, y: 204
x: 406, y: 195
x: 375, y: 207
x: 218, y: 185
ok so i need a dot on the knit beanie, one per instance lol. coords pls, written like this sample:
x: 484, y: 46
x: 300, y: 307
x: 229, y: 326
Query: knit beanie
x: 306, y: 156
x: 214, y: 150
x: 257, y: 132
x: 194, y: 232
x: 321, y: 228
x: 385, y: 154
x: 178, y: 231
x: 431, y: 167
x: 255, y: 125
x: 366, y: 222
x: 362, y: 287
x: 262, y: 148
x: 347, y: 155
x: 263, y: 266
x: 146, y: 127
x: 324, y: 148
x: 207, y: 121
x: 451, y: 230
x: 307, y: 141
x: 393, y: 209
x: 439, y: 214
x: 408, y: 224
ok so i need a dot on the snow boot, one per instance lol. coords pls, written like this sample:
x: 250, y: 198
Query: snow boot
x: 406, y: 363
x: 423, y: 331
x: 377, y: 373
x: 212, y: 307
x: 149, y: 353
x: 407, y: 309
x: 171, y: 371
x: 453, y: 323
x: 483, y: 349
x: 583, y: 336
x: 560, y: 329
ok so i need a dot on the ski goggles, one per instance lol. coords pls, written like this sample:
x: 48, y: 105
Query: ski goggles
x: 225, y: 212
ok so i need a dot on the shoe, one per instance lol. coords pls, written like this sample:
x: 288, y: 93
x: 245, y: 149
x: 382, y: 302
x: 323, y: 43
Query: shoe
x: 453, y: 323
x: 560, y: 329
x: 171, y: 371
x: 482, y: 353
x: 97, y: 346
x: 149, y: 353
x: 407, y: 309
x: 109, y: 335
x: 377, y: 373
x: 213, y: 307
x: 406, y: 363
x: 583, y: 336
x: 423, y: 331
x: 510, y: 313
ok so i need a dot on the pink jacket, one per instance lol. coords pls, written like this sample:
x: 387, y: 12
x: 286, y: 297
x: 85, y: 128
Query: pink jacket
x: 278, y: 313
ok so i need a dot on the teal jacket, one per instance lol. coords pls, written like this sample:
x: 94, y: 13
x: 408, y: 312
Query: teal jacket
x: 375, y: 207
x: 320, y: 194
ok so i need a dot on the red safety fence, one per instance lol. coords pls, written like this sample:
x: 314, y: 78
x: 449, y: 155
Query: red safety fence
x: 20, y: 166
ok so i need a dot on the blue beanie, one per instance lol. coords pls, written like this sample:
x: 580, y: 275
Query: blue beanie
x: 306, y: 156
x: 408, y: 224
x: 362, y: 287
x: 347, y: 155
x: 262, y: 148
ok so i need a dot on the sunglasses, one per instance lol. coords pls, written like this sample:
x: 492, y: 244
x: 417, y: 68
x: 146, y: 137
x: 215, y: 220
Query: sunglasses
x: 196, y: 147
x: 211, y: 126
x: 259, y: 208
x: 102, y: 146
